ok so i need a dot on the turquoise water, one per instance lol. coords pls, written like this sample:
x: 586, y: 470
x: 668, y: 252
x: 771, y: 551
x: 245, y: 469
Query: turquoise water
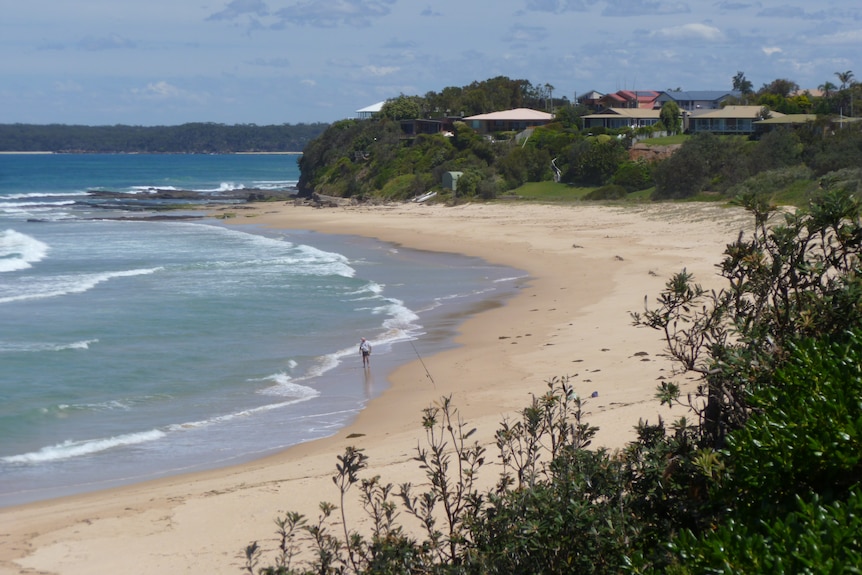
x: 138, y: 349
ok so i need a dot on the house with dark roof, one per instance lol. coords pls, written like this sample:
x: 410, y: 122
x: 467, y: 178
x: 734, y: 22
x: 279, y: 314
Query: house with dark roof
x: 697, y: 99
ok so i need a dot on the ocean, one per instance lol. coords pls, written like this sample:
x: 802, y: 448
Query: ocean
x: 133, y: 348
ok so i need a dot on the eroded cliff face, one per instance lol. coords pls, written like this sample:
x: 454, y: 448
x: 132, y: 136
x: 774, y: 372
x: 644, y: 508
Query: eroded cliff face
x: 652, y: 153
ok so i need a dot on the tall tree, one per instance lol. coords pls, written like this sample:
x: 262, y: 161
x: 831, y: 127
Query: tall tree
x: 827, y: 88
x: 845, y: 78
x: 669, y: 116
x: 549, y: 90
x: 741, y: 84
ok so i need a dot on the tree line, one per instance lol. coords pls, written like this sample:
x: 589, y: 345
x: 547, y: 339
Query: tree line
x: 192, y: 138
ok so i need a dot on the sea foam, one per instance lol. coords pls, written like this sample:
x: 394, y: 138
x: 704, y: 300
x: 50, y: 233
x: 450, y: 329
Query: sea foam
x: 19, y: 251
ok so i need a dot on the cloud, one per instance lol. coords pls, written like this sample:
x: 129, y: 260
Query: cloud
x: 238, y: 8
x: 112, y: 42
x: 380, y: 71
x: 525, y: 34
x: 852, y: 37
x: 729, y: 5
x: 429, y: 11
x: 690, y: 31
x: 770, y: 50
x: 644, y: 7
x: 329, y: 13
x: 162, y: 90
x: 556, y: 6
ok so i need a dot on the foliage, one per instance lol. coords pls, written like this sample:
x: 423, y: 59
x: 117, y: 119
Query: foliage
x: 670, y: 117
x: 186, y: 138
x: 791, y: 485
x: 705, y: 161
x: 798, y: 279
x: 402, y: 108
x: 633, y: 176
x: 741, y: 84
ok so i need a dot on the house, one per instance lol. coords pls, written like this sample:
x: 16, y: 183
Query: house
x: 728, y: 120
x: 369, y: 112
x: 617, y: 118
x: 591, y: 99
x: 698, y: 99
x: 783, y: 121
x: 644, y: 99
x: 515, y: 120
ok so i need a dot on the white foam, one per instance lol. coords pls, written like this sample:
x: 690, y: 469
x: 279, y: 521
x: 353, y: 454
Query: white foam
x: 64, y: 285
x: 17, y: 346
x: 69, y: 449
x: 19, y: 251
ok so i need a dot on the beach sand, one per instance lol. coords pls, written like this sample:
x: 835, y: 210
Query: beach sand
x: 589, y: 267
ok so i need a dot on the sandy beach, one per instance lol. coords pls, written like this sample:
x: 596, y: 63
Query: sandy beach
x: 589, y: 267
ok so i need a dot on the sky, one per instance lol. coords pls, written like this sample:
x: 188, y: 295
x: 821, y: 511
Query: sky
x: 168, y: 62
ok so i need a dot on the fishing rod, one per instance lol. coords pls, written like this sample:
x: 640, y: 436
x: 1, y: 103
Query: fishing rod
x: 428, y: 373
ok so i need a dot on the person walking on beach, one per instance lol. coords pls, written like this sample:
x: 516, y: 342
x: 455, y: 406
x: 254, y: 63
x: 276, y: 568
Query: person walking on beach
x: 365, y: 352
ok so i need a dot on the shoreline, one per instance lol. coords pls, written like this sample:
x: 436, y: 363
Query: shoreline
x: 588, y: 266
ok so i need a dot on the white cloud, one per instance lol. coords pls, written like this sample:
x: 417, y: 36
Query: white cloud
x: 690, y: 31
x: 380, y: 71
x: 852, y: 37
x: 770, y: 50
x: 162, y: 90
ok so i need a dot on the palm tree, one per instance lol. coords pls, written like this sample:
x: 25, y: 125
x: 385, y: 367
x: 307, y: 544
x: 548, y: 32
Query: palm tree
x: 549, y: 90
x: 827, y: 88
x: 845, y: 78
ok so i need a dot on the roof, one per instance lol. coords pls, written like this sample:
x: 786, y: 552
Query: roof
x: 633, y: 113
x: 514, y: 115
x: 751, y: 112
x: 372, y: 109
x: 789, y: 119
x: 699, y: 95
x: 591, y: 95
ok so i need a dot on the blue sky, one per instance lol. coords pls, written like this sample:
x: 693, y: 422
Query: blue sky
x: 165, y: 62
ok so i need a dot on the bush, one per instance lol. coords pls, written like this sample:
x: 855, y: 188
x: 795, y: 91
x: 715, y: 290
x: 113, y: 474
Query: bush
x: 791, y: 485
x: 633, y: 176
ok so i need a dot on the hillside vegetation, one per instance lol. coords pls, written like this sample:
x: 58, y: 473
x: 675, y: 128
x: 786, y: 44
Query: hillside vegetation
x: 374, y: 159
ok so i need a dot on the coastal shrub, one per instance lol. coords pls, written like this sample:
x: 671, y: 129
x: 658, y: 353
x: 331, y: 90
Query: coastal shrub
x: 633, y: 176
x: 770, y: 183
x: 791, y: 484
x: 798, y: 279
